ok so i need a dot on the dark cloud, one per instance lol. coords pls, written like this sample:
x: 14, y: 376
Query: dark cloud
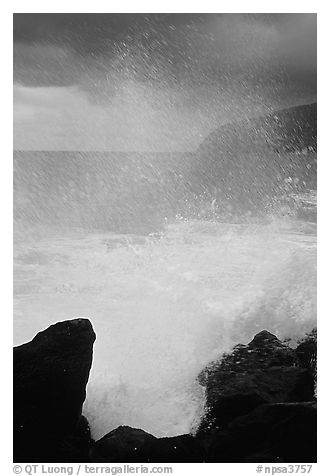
x: 96, y: 34
x: 170, y: 48
x: 171, y: 77
x: 93, y: 26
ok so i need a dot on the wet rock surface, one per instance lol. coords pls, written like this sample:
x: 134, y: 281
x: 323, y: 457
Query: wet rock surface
x: 126, y: 444
x: 280, y: 432
x: 260, y: 405
x: 263, y: 371
x: 50, y: 377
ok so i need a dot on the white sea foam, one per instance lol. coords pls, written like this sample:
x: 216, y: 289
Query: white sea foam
x: 162, y: 307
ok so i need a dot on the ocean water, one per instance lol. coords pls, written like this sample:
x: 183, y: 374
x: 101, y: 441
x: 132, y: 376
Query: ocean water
x: 167, y: 288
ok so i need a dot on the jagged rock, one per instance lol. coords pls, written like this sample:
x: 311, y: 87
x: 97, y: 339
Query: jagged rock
x: 281, y: 432
x: 245, y: 422
x: 264, y: 351
x: 260, y: 372
x: 50, y: 377
x: 245, y: 391
x: 306, y: 352
x: 123, y: 445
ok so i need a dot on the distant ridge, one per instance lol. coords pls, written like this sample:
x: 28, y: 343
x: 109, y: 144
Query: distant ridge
x: 292, y: 129
x: 241, y: 169
x: 249, y: 164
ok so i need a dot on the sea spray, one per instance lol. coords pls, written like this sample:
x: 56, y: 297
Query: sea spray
x: 164, y: 306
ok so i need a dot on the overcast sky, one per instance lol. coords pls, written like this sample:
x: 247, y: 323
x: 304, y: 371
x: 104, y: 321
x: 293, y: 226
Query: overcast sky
x: 153, y: 82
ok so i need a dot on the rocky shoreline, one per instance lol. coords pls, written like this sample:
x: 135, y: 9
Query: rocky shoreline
x: 260, y: 400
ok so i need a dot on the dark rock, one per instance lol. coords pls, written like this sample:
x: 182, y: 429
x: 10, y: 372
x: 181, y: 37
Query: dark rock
x: 75, y: 447
x: 281, y: 432
x: 264, y: 351
x: 124, y: 445
x: 265, y: 339
x: 50, y: 377
x: 245, y: 391
x: 294, y: 436
x: 260, y: 372
x: 306, y: 352
x: 177, y: 449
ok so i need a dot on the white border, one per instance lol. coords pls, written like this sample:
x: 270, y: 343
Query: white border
x: 168, y: 6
